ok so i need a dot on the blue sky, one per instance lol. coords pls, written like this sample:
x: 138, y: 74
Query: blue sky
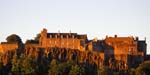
x: 96, y: 18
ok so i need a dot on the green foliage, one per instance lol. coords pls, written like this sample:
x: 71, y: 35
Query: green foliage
x: 15, y: 65
x: 22, y: 65
x: 37, y: 38
x: 42, y: 65
x: 1, y: 68
x: 31, y: 41
x: 14, y: 38
x: 54, y: 69
x: 103, y: 71
x: 76, y: 70
x: 132, y: 71
x: 65, y: 68
x: 143, y: 69
x: 58, y: 68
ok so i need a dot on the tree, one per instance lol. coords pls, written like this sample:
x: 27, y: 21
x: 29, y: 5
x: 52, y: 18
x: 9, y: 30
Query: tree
x: 22, y: 65
x: 57, y: 68
x: 76, y: 70
x: 26, y: 66
x: 31, y: 41
x: 65, y: 68
x: 132, y: 71
x: 54, y: 69
x: 103, y: 71
x: 15, y: 65
x: 14, y: 38
x: 42, y: 64
x: 1, y: 68
x: 37, y: 38
x: 143, y: 69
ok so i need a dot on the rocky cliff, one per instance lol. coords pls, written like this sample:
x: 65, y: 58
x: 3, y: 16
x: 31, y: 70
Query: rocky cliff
x: 60, y: 54
x: 63, y: 55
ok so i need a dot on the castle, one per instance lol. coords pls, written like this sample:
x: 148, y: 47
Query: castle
x: 63, y: 40
x: 128, y: 50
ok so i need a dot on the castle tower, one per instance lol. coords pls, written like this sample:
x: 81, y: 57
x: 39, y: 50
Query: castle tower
x: 43, y: 37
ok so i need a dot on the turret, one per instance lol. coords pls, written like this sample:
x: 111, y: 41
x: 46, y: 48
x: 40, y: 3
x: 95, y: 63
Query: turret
x: 43, y: 37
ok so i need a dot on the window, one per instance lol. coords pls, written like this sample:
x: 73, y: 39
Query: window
x: 55, y: 36
x: 55, y: 42
x: 50, y: 36
x: 81, y: 42
x: 61, y: 36
x: 72, y: 36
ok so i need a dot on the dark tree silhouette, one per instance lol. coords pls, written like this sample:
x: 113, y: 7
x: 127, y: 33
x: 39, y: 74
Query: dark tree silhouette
x: 14, y: 38
x: 37, y: 38
x: 143, y: 69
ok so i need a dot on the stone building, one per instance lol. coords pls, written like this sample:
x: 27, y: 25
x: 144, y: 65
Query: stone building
x: 6, y: 46
x: 6, y: 50
x: 129, y: 50
x: 63, y: 40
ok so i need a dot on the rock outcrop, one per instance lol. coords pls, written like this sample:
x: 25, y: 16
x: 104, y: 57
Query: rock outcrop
x: 63, y: 55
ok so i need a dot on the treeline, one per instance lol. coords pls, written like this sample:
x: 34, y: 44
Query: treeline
x: 30, y: 65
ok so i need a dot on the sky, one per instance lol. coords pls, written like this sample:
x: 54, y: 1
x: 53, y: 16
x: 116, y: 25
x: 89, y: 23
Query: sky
x: 96, y: 18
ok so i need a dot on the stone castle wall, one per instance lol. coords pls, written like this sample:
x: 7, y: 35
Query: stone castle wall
x: 4, y: 47
x: 61, y: 42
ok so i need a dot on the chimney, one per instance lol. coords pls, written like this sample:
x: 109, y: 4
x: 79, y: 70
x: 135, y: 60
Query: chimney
x: 137, y: 38
x: 115, y: 36
x: 106, y: 36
